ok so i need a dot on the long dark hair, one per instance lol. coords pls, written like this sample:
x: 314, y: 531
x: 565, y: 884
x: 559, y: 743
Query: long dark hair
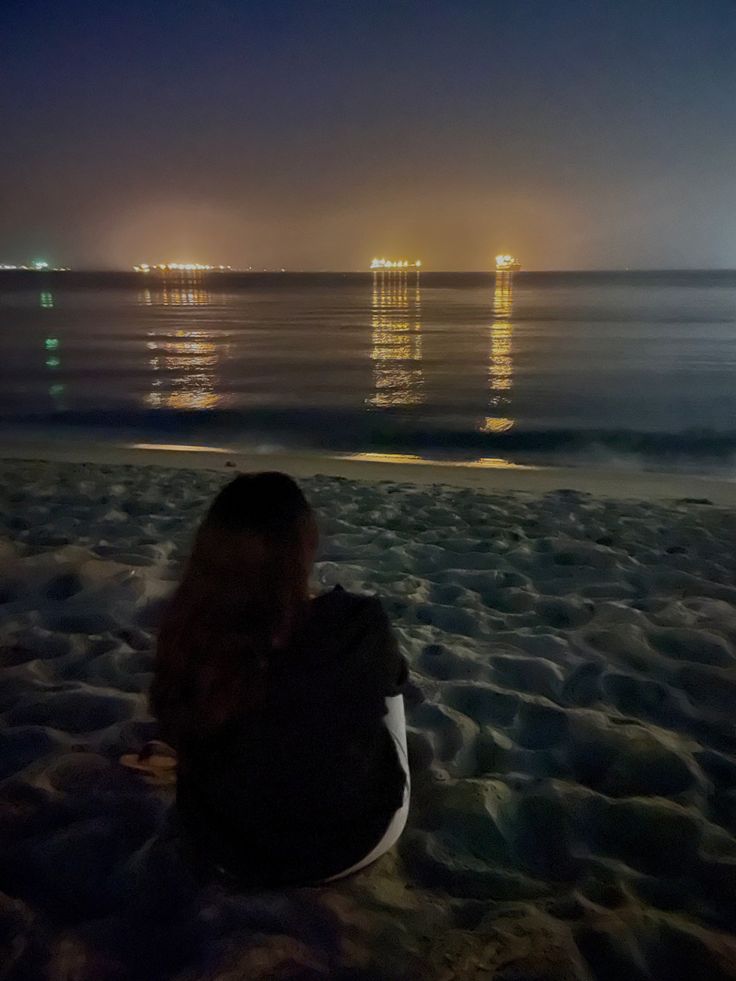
x: 243, y: 593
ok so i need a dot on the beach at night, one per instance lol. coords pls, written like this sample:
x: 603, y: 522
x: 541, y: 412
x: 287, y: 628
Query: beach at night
x: 368, y: 491
x: 572, y: 672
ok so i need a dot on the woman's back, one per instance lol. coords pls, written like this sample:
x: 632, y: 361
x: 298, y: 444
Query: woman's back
x: 304, y: 784
x: 275, y: 701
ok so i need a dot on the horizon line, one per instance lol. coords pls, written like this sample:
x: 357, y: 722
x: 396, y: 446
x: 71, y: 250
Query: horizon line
x: 117, y: 270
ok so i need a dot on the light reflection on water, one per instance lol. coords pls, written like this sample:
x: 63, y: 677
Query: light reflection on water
x: 52, y: 351
x: 500, y: 364
x: 184, y: 361
x: 175, y: 296
x: 463, y: 364
x: 182, y: 289
x: 184, y: 367
x: 483, y: 463
x: 396, y: 323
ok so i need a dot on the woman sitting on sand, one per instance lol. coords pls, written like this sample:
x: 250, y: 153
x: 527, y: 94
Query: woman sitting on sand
x: 285, y: 710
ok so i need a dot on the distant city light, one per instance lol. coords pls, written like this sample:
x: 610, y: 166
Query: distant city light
x: 146, y: 267
x: 395, y: 264
x: 507, y: 263
x: 37, y: 265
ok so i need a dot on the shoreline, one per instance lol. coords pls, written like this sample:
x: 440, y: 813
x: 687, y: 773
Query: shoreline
x: 485, y: 475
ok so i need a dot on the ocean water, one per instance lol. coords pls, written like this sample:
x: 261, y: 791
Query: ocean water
x: 627, y: 369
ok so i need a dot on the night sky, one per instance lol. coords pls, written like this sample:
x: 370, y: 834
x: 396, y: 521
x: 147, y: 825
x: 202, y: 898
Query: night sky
x: 317, y: 133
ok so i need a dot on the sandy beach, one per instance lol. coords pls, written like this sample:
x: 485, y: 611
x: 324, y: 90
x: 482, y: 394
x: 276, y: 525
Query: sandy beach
x: 572, y: 643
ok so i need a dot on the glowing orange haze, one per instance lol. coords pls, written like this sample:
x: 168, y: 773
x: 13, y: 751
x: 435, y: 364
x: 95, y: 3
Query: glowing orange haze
x: 457, y: 234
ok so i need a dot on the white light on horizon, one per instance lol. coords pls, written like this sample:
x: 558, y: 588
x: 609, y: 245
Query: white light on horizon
x: 394, y: 264
x: 146, y: 267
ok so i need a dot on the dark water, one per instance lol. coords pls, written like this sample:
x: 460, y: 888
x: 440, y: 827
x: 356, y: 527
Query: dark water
x: 627, y: 368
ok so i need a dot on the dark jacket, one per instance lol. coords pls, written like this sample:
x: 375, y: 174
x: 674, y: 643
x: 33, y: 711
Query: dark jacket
x: 305, y: 786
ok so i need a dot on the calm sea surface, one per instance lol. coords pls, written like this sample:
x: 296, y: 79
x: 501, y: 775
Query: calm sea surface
x: 627, y: 368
